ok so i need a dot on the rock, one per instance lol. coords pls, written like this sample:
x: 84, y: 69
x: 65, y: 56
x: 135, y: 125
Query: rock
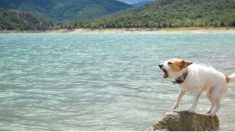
x: 184, y: 121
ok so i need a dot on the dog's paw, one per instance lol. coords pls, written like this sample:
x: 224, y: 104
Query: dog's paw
x: 191, y: 110
x: 211, y: 114
x: 208, y: 111
x: 174, y: 107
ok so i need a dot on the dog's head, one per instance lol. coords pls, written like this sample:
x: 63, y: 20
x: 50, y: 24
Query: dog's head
x: 173, y: 68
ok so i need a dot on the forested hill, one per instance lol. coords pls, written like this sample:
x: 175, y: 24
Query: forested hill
x: 171, y: 13
x: 21, y: 20
x: 66, y: 10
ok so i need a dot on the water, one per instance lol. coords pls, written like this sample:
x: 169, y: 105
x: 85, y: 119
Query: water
x: 103, y: 81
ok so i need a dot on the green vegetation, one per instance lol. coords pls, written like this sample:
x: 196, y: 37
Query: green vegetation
x: 109, y: 14
x: 63, y: 10
x: 170, y: 14
x: 20, y: 20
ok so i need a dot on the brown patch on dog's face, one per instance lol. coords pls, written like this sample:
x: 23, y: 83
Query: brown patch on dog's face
x: 179, y: 64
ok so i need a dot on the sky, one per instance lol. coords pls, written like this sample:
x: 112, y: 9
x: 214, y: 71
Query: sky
x: 132, y: 1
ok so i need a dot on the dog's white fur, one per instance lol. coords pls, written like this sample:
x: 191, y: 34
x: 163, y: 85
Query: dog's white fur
x: 200, y: 79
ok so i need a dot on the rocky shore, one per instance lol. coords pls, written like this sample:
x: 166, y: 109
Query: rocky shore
x: 184, y: 121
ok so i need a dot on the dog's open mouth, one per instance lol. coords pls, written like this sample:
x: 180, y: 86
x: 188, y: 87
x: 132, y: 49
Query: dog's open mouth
x: 165, y: 73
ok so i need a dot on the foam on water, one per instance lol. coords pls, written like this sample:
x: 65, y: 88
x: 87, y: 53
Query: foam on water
x: 101, y: 81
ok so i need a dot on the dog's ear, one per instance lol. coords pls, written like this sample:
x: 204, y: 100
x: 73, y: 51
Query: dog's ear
x: 186, y: 63
x: 179, y: 64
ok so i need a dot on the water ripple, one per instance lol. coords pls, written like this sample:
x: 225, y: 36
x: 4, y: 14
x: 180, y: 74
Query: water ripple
x: 101, y: 81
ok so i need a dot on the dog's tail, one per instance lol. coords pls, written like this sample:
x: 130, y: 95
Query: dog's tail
x: 230, y: 78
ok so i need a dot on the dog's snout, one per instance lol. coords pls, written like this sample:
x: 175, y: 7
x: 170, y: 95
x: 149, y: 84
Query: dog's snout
x: 160, y: 66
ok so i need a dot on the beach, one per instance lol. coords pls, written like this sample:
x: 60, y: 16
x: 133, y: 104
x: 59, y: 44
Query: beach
x: 133, y: 30
x: 147, y: 30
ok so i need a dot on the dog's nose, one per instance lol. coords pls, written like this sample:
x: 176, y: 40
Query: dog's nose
x: 160, y: 66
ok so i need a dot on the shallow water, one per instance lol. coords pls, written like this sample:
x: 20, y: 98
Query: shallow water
x: 103, y: 81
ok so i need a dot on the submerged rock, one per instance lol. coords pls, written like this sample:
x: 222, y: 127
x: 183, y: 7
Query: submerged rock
x: 184, y: 121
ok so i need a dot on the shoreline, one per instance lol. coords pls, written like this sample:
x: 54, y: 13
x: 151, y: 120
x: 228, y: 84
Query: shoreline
x: 135, y: 30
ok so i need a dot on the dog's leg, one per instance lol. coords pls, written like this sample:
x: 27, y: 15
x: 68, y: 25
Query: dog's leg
x: 180, y: 95
x: 217, y: 107
x: 195, y: 102
x: 216, y: 96
x: 212, y: 102
x: 216, y: 100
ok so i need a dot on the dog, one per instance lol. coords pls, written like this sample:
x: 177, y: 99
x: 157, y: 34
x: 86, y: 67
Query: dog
x: 197, y: 79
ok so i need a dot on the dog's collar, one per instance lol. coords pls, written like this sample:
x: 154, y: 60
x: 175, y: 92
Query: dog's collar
x: 181, y: 78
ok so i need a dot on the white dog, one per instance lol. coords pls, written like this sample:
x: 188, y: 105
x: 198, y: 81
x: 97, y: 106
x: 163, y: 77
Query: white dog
x: 197, y: 79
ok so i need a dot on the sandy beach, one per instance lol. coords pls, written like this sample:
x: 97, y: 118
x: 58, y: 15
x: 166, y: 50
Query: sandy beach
x: 134, y: 30
x: 147, y: 30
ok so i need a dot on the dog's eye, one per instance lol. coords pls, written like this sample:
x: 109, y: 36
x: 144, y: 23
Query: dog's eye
x: 169, y: 63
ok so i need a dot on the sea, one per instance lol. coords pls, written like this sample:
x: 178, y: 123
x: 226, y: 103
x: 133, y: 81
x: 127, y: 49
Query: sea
x: 103, y: 81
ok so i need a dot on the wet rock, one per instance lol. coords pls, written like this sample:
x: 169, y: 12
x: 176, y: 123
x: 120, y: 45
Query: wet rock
x: 184, y: 121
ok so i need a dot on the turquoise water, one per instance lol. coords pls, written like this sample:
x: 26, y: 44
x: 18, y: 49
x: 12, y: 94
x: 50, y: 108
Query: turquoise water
x: 102, y: 81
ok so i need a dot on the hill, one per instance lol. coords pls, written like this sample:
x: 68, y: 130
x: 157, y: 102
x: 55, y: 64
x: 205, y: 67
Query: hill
x: 21, y: 20
x: 170, y: 14
x: 62, y: 10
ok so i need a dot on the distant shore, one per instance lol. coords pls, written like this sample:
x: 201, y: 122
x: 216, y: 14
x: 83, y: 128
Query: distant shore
x: 151, y: 30
x: 135, y: 30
